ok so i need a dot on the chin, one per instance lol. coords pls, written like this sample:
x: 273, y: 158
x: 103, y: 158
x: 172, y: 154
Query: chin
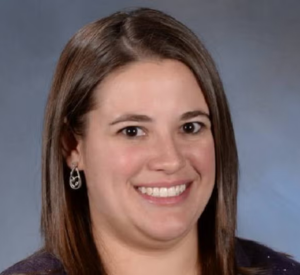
x: 170, y: 232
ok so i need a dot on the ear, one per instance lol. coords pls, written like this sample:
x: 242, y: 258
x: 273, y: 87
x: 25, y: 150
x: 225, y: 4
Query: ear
x: 72, y: 148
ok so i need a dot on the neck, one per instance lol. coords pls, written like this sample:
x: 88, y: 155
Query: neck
x: 180, y: 258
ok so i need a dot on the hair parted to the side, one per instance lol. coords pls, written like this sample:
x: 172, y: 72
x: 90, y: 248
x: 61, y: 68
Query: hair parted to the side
x: 93, y: 53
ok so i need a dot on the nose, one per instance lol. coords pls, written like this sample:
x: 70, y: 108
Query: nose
x: 166, y: 156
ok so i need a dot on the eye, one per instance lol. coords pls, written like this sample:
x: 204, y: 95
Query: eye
x: 132, y: 131
x: 192, y: 127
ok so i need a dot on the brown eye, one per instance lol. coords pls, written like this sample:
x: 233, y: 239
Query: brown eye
x: 133, y: 131
x: 192, y: 127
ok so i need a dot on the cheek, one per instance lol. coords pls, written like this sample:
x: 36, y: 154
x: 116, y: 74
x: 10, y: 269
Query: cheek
x: 113, y: 162
x: 126, y: 161
x: 203, y: 159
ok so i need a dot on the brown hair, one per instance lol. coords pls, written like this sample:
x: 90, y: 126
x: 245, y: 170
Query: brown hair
x: 94, y: 52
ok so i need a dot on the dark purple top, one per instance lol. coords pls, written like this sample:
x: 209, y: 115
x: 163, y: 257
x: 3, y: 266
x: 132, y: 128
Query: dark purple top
x: 248, y: 254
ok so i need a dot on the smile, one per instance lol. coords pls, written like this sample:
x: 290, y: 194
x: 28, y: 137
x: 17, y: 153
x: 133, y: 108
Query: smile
x: 163, y: 192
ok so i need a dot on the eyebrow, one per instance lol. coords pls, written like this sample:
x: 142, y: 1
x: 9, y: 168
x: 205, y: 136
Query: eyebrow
x: 144, y: 118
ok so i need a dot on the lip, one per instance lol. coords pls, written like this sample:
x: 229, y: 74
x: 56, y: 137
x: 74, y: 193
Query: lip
x: 164, y: 183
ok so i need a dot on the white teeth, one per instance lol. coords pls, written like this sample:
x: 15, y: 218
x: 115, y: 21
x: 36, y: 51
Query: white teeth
x: 149, y: 191
x: 156, y: 192
x: 177, y: 189
x: 163, y: 192
x: 171, y: 192
x: 182, y: 188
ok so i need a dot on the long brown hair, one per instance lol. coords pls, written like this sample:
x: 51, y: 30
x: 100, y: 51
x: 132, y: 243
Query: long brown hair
x: 94, y: 52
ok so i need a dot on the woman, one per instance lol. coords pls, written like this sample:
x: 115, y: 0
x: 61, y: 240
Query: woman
x: 139, y: 158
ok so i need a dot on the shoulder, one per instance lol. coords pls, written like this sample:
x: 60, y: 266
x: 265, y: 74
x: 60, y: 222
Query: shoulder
x: 41, y: 262
x: 254, y: 254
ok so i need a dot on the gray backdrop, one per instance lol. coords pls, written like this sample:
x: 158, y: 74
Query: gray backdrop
x: 256, y: 45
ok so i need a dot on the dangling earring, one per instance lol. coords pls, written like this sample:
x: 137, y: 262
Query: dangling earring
x: 75, y: 179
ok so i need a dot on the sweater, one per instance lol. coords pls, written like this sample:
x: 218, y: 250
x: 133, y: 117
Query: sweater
x: 248, y: 254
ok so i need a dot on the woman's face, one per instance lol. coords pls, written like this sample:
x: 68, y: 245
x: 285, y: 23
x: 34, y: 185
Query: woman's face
x: 148, y: 153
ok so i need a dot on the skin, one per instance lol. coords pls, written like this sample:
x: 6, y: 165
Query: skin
x: 135, y: 236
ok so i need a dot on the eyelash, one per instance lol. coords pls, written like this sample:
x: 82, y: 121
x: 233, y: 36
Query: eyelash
x: 122, y: 131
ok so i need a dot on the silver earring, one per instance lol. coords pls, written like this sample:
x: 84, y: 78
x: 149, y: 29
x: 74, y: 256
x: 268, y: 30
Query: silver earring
x: 75, y: 179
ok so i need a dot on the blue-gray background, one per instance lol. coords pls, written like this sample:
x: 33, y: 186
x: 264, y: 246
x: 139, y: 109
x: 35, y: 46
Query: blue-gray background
x: 256, y: 45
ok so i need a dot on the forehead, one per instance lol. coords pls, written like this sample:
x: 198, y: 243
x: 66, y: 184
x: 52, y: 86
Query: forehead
x: 147, y: 85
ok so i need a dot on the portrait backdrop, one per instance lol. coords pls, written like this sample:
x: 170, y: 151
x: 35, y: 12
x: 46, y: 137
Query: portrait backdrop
x: 256, y: 45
